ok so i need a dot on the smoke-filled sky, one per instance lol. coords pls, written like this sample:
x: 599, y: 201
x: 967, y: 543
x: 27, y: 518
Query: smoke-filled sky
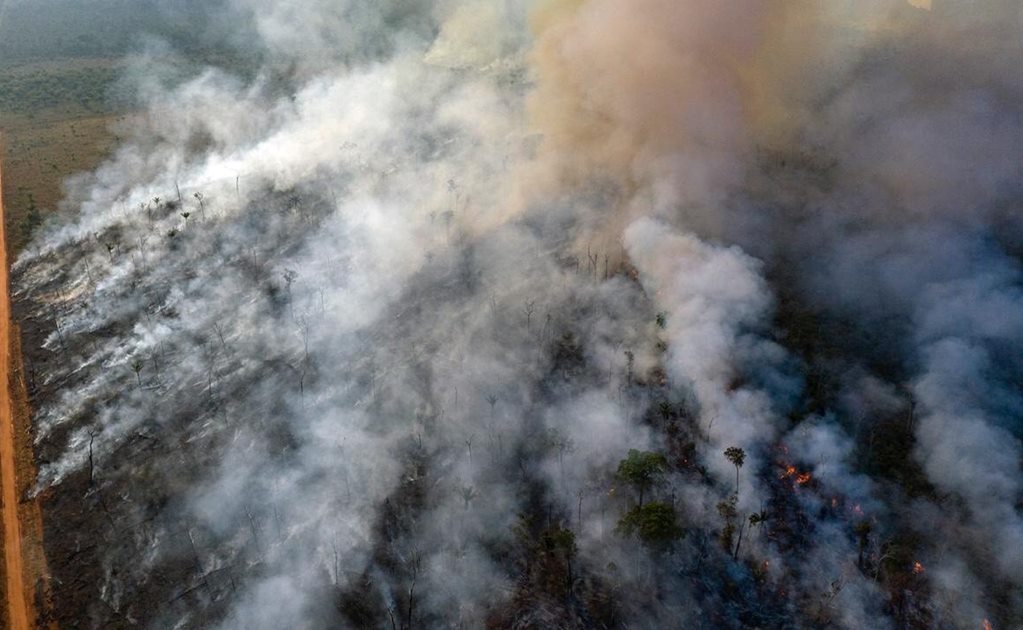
x: 442, y: 264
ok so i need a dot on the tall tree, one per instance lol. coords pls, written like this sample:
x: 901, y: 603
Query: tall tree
x: 655, y: 524
x: 737, y: 456
x: 642, y: 469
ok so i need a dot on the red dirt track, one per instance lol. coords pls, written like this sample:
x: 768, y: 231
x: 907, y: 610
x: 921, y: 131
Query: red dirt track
x: 14, y: 568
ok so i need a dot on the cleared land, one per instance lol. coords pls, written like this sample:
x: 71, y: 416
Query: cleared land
x: 60, y: 64
x: 37, y: 153
x: 17, y: 607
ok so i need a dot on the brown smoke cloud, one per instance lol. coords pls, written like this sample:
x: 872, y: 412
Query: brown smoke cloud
x: 621, y: 85
x: 676, y: 97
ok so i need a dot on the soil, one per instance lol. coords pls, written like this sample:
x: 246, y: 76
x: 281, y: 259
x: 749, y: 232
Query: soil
x: 24, y: 560
x: 17, y: 608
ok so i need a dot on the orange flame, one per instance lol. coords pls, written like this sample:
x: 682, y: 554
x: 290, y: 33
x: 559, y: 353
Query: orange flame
x: 791, y: 471
x: 987, y: 625
x: 918, y: 568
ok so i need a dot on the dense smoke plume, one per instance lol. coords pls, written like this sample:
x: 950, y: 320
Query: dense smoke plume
x: 355, y: 341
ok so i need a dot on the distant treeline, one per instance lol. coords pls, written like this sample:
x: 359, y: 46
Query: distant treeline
x: 94, y: 88
x: 57, y: 29
x: 96, y: 85
x: 69, y: 53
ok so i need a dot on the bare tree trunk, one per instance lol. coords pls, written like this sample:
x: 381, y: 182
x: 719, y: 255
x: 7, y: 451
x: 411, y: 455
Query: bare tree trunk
x: 255, y: 532
x: 92, y: 437
x: 742, y: 525
x: 412, y: 587
x: 198, y: 562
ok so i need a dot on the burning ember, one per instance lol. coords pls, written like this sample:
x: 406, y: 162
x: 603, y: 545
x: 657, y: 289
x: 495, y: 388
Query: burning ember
x: 801, y: 478
x: 918, y: 568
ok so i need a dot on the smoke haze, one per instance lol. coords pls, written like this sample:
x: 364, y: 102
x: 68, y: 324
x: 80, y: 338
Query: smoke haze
x: 349, y: 341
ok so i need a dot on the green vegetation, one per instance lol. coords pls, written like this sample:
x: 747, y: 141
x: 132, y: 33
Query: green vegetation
x: 642, y: 469
x: 30, y: 220
x: 737, y: 456
x: 655, y: 524
x: 61, y: 68
x: 63, y: 29
x: 88, y: 87
x: 70, y: 55
x: 559, y: 549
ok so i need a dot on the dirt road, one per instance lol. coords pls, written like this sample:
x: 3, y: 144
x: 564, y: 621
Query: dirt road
x: 17, y: 607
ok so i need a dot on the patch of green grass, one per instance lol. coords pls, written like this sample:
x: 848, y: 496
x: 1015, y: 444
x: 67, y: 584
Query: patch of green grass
x: 89, y: 87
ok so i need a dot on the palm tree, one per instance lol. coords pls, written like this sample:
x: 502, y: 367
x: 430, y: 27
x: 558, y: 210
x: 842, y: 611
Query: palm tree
x: 737, y: 456
x: 202, y: 206
x: 136, y: 366
x: 468, y: 494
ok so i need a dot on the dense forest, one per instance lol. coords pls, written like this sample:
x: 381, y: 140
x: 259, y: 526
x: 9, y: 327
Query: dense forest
x: 42, y: 30
x: 81, y: 53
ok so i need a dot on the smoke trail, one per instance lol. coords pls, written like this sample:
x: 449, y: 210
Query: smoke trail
x: 365, y: 344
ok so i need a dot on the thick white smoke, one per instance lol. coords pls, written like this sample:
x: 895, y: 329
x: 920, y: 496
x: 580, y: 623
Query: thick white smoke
x: 356, y: 340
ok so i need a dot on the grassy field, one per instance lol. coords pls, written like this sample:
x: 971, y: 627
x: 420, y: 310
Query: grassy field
x: 39, y: 152
x: 62, y: 64
x: 59, y: 68
x: 82, y: 84
x: 55, y: 121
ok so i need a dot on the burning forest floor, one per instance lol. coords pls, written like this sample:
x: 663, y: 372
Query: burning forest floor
x: 486, y: 321
x: 118, y: 547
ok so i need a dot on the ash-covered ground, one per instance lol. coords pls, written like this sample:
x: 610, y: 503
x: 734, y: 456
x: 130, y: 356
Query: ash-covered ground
x: 562, y: 313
